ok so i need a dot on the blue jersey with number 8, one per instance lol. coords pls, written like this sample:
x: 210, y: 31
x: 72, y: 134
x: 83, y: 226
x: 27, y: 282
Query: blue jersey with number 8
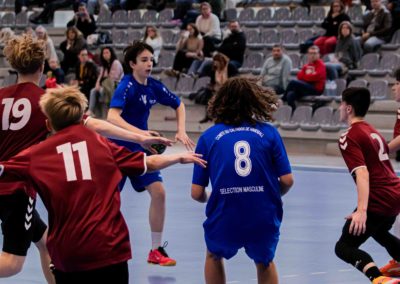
x: 244, y: 164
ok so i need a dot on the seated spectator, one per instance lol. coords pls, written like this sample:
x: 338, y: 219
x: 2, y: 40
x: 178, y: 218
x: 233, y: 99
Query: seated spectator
x: 47, y: 15
x: 5, y: 35
x: 347, y: 53
x: 152, y: 38
x: 111, y: 72
x: 233, y: 46
x: 83, y: 21
x: 51, y: 53
x: 394, y: 7
x: 377, y: 25
x: 85, y: 73
x: 22, y: 5
x: 188, y: 48
x: 56, y: 71
x: 209, y: 27
x: 310, y: 80
x: 276, y: 70
x: 70, y: 47
x: 336, y: 16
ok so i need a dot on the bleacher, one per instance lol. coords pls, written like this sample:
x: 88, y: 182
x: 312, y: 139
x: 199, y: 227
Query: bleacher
x: 305, y: 130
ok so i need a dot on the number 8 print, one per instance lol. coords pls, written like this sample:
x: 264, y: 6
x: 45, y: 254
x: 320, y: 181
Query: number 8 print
x: 242, y: 162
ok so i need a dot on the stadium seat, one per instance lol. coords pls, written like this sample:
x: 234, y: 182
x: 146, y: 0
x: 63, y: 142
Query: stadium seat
x: 170, y: 83
x: 104, y: 19
x: 368, y: 62
x: 355, y: 13
x: 165, y: 17
x: 170, y: 38
x: 335, y: 124
x: 8, y: 20
x: 134, y: 35
x: 135, y: 19
x: 269, y: 37
x: 246, y: 17
x: 283, y: 114
x: 360, y: 83
x: 264, y: 17
x: 302, y: 114
x: 317, y: 15
x: 322, y: 115
x: 289, y: 39
x: 379, y: 89
x: 394, y: 43
x: 252, y: 63
x: 184, y: 86
x: 120, y: 38
x: 120, y: 19
x: 283, y: 17
x: 165, y: 61
x: 387, y: 64
x: 150, y: 18
x: 200, y: 83
x: 301, y: 17
x: 340, y: 87
x: 9, y: 80
x: 21, y: 20
x: 253, y: 39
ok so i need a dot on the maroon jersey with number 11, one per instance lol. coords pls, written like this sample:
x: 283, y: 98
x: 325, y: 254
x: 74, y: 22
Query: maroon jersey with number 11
x: 362, y: 146
x: 76, y: 173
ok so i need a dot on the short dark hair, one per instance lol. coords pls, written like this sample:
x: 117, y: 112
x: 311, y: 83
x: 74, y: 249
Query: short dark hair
x: 277, y: 45
x: 242, y: 100
x: 132, y: 51
x: 358, y: 98
x: 397, y: 74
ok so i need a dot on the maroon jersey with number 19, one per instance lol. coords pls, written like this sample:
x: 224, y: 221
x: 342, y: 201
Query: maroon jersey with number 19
x: 76, y: 173
x: 22, y: 124
x: 362, y: 146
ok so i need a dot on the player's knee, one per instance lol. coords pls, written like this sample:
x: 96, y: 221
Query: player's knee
x: 340, y: 250
x: 158, y: 194
x: 11, y: 264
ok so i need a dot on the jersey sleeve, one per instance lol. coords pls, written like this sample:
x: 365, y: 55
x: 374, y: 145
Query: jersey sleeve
x: 129, y: 163
x: 165, y: 96
x: 119, y: 97
x: 201, y: 175
x: 15, y: 173
x: 351, y: 152
x: 280, y: 156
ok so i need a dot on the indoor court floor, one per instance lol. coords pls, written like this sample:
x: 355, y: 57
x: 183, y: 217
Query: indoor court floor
x: 314, y: 212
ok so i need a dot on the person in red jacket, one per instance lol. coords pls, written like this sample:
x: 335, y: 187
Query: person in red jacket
x: 310, y: 80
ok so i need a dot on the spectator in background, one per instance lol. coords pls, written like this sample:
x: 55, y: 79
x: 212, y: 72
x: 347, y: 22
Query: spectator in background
x: 188, y: 48
x: 336, y: 16
x: 394, y: 8
x: 85, y: 73
x: 70, y: 47
x: 111, y: 73
x: 56, y: 71
x: 41, y: 33
x: 276, y: 70
x: 209, y: 27
x: 5, y: 35
x: 347, y: 53
x: 310, y: 80
x: 154, y: 39
x: 47, y: 15
x: 377, y: 25
x: 83, y: 21
x: 233, y: 46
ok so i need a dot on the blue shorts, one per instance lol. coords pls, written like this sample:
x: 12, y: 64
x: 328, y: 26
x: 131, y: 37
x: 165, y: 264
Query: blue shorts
x: 140, y: 182
x: 260, y: 252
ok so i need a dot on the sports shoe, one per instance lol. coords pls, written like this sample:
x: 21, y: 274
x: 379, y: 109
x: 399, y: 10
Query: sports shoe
x: 160, y: 257
x: 385, y: 280
x: 391, y: 269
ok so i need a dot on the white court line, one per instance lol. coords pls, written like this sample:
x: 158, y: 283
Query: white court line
x: 318, y: 273
x: 232, y: 282
x: 290, y: 276
x: 345, y: 270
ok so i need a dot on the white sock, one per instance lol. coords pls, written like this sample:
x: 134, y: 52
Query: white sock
x: 156, y: 239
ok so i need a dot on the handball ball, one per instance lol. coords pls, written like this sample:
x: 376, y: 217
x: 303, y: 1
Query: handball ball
x: 160, y: 148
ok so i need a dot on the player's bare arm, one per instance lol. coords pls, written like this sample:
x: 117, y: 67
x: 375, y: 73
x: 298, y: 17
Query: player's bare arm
x: 181, y: 134
x: 394, y: 145
x: 286, y: 182
x: 359, y: 217
x: 114, y: 117
x: 159, y: 162
x: 199, y: 193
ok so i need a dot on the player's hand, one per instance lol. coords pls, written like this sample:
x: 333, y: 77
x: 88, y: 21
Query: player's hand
x: 191, y: 157
x: 358, y: 223
x: 149, y: 141
x: 185, y: 140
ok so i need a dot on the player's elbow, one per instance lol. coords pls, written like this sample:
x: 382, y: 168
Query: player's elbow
x: 198, y: 193
x: 286, y: 182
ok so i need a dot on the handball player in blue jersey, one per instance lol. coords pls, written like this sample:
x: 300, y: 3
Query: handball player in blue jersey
x: 130, y: 109
x: 249, y: 172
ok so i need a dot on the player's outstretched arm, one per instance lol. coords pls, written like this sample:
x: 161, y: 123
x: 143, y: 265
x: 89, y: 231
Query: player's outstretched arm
x: 159, y: 162
x: 114, y: 117
x: 359, y: 217
x: 286, y: 182
x: 112, y: 131
x: 199, y: 193
x: 181, y: 134
x: 394, y: 145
